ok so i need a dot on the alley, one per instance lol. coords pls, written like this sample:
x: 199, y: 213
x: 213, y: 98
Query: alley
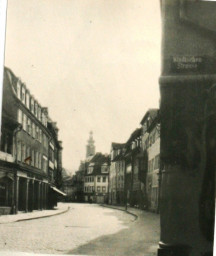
x: 84, y: 229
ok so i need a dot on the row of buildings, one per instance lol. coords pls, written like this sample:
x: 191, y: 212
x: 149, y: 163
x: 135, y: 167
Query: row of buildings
x: 130, y: 174
x: 30, y: 152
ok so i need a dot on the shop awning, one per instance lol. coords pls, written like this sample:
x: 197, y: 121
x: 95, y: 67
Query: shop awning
x: 58, y: 191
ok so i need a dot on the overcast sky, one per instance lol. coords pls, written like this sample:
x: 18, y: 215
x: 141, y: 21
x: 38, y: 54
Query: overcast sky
x: 94, y: 63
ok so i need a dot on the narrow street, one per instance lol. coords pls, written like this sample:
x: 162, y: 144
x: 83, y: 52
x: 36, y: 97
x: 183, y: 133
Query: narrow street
x: 86, y: 229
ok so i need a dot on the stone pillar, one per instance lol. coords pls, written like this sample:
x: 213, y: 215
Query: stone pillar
x: 16, y: 194
x: 187, y: 84
x: 39, y: 195
x: 33, y: 195
x: 13, y: 195
x: 27, y: 196
x: 42, y: 195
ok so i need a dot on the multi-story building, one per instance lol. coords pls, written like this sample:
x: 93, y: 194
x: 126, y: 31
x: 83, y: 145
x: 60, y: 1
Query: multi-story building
x: 151, y: 159
x: 96, y: 179
x: 132, y: 170
x: 26, y: 153
x: 117, y: 174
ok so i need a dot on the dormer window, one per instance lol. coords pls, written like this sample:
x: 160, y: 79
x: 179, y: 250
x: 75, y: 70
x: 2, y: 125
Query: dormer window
x: 18, y: 90
x: 23, y: 95
x: 39, y: 113
x: 36, y: 109
x: 27, y: 100
x: 104, y: 168
x: 90, y: 168
x: 32, y: 105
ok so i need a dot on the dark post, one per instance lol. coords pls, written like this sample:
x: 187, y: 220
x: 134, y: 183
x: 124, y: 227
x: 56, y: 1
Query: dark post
x: 188, y: 137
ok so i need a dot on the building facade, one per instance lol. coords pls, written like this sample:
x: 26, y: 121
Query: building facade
x: 151, y: 159
x: 25, y: 150
x: 117, y: 174
x: 96, y: 179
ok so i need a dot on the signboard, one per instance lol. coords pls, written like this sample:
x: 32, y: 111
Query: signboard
x: 192, y: 64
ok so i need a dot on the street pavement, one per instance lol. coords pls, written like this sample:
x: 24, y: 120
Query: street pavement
x: 85, y: 229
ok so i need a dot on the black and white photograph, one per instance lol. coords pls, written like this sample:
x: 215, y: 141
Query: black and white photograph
x: 108, y: 127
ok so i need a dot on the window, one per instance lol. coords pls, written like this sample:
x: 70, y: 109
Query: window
x: 23, y: 152
x: 98, y: 189
x: 104, y: 179
x: 98, y: 179
x: 19, y: 150
x: 19, y: 116
x: 33, y: 130
x: 24, y: 122
x: 40, y: 135
x: 157, y: 162
x: 37, y: 133
x: 104, y: 168
x: 36, y: 159
x: 39, y: 113
x: 23, y: 95
x: 32, y: 105
x: 51, y: 155
x: 27, y: 100
x: 45, y: 164
x: 104, y: 189
x: 36, y: 109
x: 33, y: 158
x: 18, y: 90
x: 29, y: 126
x: 39, y: 160
x: 93, y: 189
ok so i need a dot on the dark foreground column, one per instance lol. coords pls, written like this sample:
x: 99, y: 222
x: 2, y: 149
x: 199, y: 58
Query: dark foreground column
x: 187, y: 86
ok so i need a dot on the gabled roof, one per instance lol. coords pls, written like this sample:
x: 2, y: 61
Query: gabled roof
x: 115, y: 145
x: 152, y: 113
x: 97, y: 161
x: 135, y: 134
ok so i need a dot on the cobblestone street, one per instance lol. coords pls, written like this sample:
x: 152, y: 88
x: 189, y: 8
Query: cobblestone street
x: 84, y: 229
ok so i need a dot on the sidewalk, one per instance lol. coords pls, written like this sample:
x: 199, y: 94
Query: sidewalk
x: 61, y: 208
x: 144, y: 233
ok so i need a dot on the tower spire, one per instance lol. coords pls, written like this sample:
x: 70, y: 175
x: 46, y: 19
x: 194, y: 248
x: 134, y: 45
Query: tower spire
x: 90, y: 148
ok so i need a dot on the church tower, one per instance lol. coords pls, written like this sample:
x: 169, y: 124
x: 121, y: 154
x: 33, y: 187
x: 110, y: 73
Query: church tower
x: 90, y: 148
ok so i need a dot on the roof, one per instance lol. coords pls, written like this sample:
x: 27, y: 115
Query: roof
x: 152, y: 113
x: 115, y: 145
x: 98, y: 160
x: 135, y: 134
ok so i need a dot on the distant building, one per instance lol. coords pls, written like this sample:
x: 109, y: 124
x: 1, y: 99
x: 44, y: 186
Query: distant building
x: 132, y: 164
x: 96, y: 179
x: 90, y: 148
x: 117, y: 174
x: 151, y: 158
x: 30, y: 153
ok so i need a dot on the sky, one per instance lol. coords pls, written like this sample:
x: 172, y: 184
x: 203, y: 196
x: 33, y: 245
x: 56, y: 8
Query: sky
x: 94, y: 63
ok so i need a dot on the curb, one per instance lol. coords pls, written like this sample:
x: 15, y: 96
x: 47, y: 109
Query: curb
x: 115, y: 208
x: 38, y: 217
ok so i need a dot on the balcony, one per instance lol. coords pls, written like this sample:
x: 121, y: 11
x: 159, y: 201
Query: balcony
x: 6, y: 157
